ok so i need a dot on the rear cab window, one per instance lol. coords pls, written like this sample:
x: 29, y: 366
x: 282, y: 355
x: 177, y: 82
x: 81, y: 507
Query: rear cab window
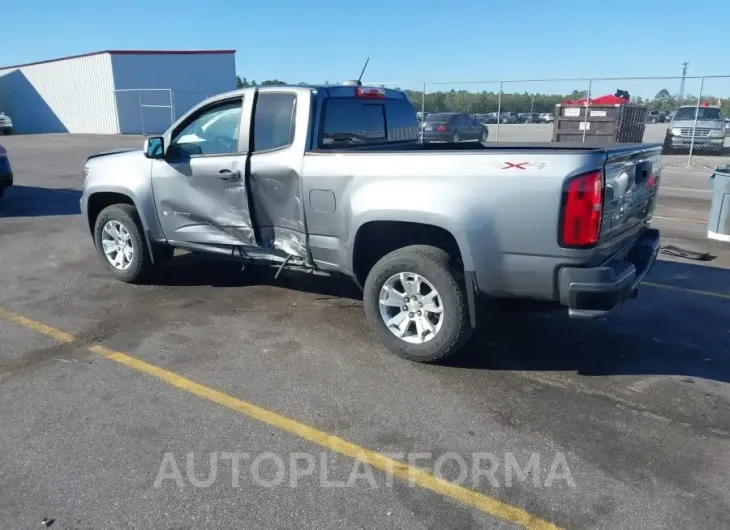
x: 273, y: 123
x: 355, y: 121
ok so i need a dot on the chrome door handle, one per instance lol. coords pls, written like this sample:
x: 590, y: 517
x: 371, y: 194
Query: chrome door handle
x: 227, y: 174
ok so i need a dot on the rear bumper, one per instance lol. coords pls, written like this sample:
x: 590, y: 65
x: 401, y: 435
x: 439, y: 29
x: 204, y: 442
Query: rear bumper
x: 437, y: 137
x: 595, y: 292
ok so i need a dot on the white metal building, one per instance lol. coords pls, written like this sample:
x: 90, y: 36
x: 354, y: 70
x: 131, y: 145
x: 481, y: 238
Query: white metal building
x: 113, y: 91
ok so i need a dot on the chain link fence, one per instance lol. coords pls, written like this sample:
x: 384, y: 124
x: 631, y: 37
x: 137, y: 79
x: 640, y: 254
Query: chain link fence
x: 687, y: 115
x: 152, y: 110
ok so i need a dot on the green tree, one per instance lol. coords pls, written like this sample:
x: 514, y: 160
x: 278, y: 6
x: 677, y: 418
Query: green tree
x: 662, y: 101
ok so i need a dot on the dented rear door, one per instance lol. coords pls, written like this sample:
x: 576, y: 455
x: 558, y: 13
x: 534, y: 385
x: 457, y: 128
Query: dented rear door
x: 275, y: 170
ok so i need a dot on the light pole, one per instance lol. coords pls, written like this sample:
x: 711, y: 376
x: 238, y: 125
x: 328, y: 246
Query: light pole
x: 681, y: 85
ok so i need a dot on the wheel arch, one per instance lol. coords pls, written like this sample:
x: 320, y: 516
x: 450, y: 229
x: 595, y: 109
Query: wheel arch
x: 97, y: 201
x: 374, y: 239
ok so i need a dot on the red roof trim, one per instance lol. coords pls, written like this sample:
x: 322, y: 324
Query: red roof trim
x: 126, y: 52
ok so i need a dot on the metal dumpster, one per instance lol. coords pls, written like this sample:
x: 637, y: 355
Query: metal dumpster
x: 718, y: 224
x: 603, y: 124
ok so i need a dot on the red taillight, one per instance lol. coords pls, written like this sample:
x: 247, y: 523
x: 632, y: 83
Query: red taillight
x: 651, y: 181
x: 582, y: 209
x: 441, y: 128
x: 369, y: 92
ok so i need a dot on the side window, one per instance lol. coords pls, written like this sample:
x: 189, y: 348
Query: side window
x: 212, y: 132
x: 273, y: 125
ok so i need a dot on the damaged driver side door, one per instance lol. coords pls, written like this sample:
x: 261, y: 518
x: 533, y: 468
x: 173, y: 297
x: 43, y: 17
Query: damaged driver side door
x: 199, y: 186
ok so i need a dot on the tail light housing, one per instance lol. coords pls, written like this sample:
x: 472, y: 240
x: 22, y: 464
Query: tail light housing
x: 582, y: 211
x: 441, y: 128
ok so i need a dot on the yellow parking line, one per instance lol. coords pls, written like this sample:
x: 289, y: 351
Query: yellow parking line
x: 36, y: 326
x: 480, y: 501
x: 686, y: 290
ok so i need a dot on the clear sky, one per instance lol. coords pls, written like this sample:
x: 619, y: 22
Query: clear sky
x: 407, y: 40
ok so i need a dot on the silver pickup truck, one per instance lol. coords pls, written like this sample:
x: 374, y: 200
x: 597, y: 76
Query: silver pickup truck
x: 702, y: 128
x: 333, y: 180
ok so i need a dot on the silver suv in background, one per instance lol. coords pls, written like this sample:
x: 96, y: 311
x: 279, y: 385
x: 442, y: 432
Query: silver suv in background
x: 709, y: 133
x: 6, y: 124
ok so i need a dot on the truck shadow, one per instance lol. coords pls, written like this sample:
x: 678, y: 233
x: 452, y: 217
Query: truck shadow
x: 34, y: 201
x: 666, y: 331
x: 194, y: 269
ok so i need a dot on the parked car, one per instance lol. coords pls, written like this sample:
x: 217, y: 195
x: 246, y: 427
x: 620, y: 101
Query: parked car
x: 6, y: 124
x: 488, y: 118
x: 509, y: 117
x: 547, y: 117
x: 333, y: 180
x: 727, y: 126
x: 655, y: 116
x: 453, y: 127
x: 485, y: 118
x: 6, y: 173
x: 529, y: 117
x: 707, y: 127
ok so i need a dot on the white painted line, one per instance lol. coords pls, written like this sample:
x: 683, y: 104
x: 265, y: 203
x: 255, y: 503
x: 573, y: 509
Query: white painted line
x: 697, y: 190
x: 693, y: 172
x: 681, y: 219
x: 718, y: 237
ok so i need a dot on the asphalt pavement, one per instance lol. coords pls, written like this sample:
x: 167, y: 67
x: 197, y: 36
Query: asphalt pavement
x: 215, y: 398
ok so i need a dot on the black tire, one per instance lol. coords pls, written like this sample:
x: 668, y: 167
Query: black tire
x: 141, y: 267
x: 435, y: 265
x: 667, y: 147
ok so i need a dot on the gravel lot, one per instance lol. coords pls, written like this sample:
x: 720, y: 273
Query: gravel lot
x: 631, y: 414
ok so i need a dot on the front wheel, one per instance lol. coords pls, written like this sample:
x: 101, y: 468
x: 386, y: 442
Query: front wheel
x: 415, y: 300
x: 120, y: 244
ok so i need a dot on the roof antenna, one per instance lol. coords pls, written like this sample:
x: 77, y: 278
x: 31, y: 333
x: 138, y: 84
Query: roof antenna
x: 359, y: 79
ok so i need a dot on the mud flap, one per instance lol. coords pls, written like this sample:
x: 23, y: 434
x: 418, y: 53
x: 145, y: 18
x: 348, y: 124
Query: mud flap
x: 470, y: 281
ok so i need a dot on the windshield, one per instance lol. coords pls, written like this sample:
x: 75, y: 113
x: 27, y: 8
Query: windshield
x: 704, y: 113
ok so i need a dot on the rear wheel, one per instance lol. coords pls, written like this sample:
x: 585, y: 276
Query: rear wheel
x: 415, y: 300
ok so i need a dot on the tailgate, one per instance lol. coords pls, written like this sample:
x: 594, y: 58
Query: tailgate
x: 632, y: 180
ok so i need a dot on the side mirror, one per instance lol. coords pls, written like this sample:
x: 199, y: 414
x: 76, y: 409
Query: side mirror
x: 154, y: 147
